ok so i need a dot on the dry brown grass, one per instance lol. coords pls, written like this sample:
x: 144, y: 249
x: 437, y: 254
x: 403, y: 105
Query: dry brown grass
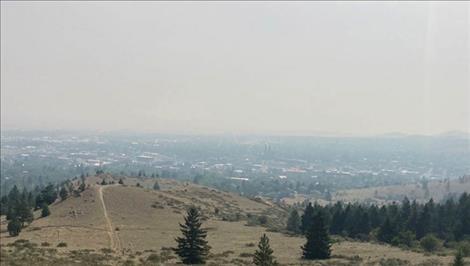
x: 147, y: 223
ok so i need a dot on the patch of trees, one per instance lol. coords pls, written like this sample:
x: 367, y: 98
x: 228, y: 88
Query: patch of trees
x: 19, y: 206
x: 400, y: 224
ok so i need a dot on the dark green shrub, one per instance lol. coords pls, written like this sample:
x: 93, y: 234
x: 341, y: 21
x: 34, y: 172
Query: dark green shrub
x: 430, y: 243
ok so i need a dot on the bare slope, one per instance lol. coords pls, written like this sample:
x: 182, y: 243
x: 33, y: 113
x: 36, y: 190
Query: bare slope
x: 77, y: 221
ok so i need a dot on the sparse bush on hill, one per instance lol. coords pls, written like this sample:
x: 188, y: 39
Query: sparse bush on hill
x: 82, y: 186
x: 63, y: 193
x: 14, y: 227
x: 154, y: 258
x: 156, y: 186
x: 106, y: 250
x: 404, y: 239
x: 430, y: 243
x: 458, y: 259
x: 263, y: 219
x: 62, y: 245
x: 45, y: 211
x: 99, y: 172
x: 464, y: 246
x: 393, y: 262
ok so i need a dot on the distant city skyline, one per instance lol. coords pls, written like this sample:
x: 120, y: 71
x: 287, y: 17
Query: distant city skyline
x: 266, y: 68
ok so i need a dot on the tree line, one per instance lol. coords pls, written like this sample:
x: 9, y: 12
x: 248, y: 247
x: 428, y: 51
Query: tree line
x: 398, y: 224
x: 18, y: 206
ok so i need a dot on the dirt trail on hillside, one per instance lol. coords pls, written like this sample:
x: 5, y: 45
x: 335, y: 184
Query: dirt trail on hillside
x: 114, y: 241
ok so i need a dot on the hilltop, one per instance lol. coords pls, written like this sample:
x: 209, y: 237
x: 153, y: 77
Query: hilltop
x: 133, y: 223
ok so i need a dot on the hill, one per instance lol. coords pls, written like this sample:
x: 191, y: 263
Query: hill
x: 124, y: 224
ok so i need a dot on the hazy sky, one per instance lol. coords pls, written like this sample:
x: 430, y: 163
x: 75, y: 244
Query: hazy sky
x: 236, y: 67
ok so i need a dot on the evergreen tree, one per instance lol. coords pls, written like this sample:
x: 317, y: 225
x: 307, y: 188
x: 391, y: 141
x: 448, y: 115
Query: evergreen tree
x: 318, y: 240
x: 423, y: 224
x: 386, y: 231
x: 63, y: 193
x: 45, y: 211
x: 463, y: 217
x: 264, y: 255
x: 156, y: 186
x: 405, y: 212
x: 413, y: 218
x: 458, y: 259
x: 121, y: 182
x: 14, y: 227
x: 48, y: 195
x: 293, y: 222
x: 14, y: 198
x: 307, y: 218
x: 3, y: 205
x: 31, y: 200
x: 192, y: 247
x: 363, y: 224
x: 82, y: 186
x: 374, y: 216
x: 24, y: 213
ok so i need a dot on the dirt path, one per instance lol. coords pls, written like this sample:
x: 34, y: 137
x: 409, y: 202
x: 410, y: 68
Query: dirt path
x: 114, y: 241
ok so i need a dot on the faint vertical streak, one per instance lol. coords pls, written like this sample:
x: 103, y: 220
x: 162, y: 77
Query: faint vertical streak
x: 429, y: 49
x: 467, y: 36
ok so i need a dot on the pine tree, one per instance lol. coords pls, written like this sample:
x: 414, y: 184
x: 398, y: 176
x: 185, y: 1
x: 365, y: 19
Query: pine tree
x: 63, y: 193
x: 405, y: 212
x: 192, y: 247
x: 24, y: 213
x: 307, y: 218
x: 82, y: 186
x: 3, y: 205
x: 45, y: 211
x: 156, y: 186
x: 318, y: 240
x: 386, y: 231
x: 413, y: 218
x: 14, y: 227
x: 293, y: 222
x: 264, y: 255
x: 423, y: 223
x: 458, y: 259
x: 14, y: 198
x: 47, y: 195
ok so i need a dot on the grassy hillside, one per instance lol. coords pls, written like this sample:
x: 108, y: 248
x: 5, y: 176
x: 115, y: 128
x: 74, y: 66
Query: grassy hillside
x: 124, y: 224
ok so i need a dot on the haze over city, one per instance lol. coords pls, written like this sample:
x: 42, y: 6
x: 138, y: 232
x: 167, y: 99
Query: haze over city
x: 235, y: 67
